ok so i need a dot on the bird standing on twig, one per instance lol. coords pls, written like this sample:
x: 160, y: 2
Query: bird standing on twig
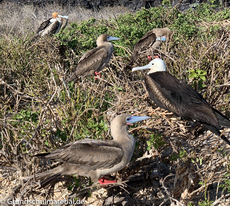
x: 92, y: 62
x: 94, y: 158
x: 174, y: 95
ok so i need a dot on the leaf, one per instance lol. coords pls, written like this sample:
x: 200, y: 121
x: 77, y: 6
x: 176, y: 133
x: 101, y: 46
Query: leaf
x: 203, y: 78
x: 46, y: 143
x: 193, y: 75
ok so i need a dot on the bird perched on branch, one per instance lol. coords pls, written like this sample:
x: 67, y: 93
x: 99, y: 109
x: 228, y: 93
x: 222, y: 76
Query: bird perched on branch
x: 175, y: 96
x: 150, y: 41
x: 52, y: 25
x: 94, y: 158
x: 92, y: 62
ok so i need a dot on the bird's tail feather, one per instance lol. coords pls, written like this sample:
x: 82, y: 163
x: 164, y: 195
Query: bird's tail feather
x: 217, y: 132
x: 225, y: 139
x: 223, y: 121
x: 74, y: 77
x: 71, y: 78
x: 47, y: 176
x: 50, y: 179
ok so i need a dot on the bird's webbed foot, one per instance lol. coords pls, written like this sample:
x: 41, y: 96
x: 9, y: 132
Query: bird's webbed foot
x: 96, y: 74
x: 104, y: 181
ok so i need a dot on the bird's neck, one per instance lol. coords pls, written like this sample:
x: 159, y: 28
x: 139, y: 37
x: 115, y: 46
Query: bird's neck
x: 121, y: 135
x: 53, y: 20
x: 102, y: 43
x: 156, y: 70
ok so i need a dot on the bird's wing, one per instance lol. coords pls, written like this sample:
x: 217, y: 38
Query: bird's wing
x: 44, y: 25
x: 52, y: 29
x: 64, y: 22
x: 148, y: 39
x: 92, y: 60
x: 95, y: 154
x: 223, y: 120
x: 176, y: 96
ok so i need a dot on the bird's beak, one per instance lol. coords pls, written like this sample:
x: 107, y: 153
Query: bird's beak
x: 133, y: 119
x: 142, y: 68
x: 162, y: 38
x: 111, y: 38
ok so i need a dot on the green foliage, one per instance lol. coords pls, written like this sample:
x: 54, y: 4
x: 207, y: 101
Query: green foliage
x: 31, y: 65
x: 82, y: 37
x: 199, y: 77
x: 91, y: 127
x: 156, y: 141
x: 24, y: 121
x: 166, y: 2
x: 184, y: 23
x: 129, y: 27
x: 36, y: 111
x: 182, y: 153
x: 198, y: 160
x: 61, y: 135
x: 76, y: 183
x: 206, y: 202
x: 26, y: 115
x: 34, y: 64
x: 226, y: 184
x: 198, y: 74
x: 222, y: 151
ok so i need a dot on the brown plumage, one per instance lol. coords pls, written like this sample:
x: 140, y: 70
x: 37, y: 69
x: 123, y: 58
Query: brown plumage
x: 52, y: 25
x: 43, y: 25
x: 144, y: 43
x: 159, y: 33
x: 96, y: 59
x: 64, y: 22
x: 149, y: 42
x: 176, y: 96
x: 94, y: 158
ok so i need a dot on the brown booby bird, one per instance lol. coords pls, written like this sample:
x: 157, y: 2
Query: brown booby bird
x: 52, y: 25
x: 152, y: 39
x: 94, y: 158
x: 175, y: 96
x: 96, y: 59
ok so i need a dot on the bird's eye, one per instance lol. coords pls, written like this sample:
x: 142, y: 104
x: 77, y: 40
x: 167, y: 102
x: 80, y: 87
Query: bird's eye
x: 129, y: 118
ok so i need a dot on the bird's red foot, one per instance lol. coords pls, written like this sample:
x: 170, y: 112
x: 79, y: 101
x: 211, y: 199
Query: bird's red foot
x: 155, y: 56
x: 150, y: 58
x: 104, y: 181
x: 97, y: 74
